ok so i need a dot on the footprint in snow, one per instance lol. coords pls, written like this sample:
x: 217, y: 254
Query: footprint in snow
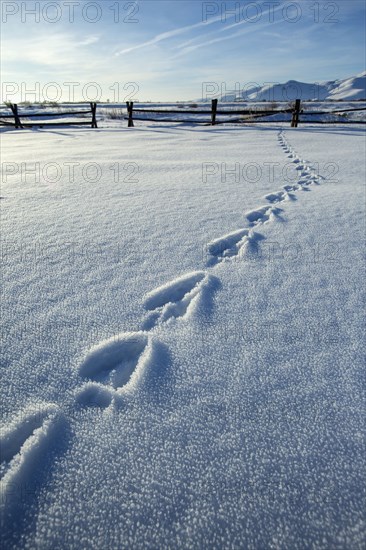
x: 231, y: 245
x: 24, y: 447
x: 296, y: 187
x: 305, y: 181
x: 280, y: 196
x: 262, y: 215
x: 114, y: 368
x: 178, y: 298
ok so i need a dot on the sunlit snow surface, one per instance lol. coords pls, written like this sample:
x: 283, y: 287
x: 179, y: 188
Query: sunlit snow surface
x: 183, y: 361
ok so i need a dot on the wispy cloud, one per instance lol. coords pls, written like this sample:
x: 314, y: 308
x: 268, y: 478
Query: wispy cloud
x: 89, y: 40
x: 251, y: 26
x: 187, y: 49
x: 190, y: 45
x: 174, y: 32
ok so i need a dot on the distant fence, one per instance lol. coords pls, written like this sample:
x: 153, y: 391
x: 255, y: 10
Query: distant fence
x: 21, y: 119
x: 251, y: 114
x: 19, y: 123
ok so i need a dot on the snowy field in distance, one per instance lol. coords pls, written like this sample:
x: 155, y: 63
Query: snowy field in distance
x: 183, y: 345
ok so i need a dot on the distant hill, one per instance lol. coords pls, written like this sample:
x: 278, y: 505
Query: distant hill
x: 353, y: 88
x: 350, y: 88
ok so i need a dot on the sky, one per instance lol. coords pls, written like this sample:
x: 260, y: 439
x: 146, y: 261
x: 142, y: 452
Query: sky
x: 170, y: 50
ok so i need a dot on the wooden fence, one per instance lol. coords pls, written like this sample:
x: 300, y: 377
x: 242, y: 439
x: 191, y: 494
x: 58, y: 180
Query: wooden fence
x: 18, y: 123
x: 251, y: 115
x: 246, y: 115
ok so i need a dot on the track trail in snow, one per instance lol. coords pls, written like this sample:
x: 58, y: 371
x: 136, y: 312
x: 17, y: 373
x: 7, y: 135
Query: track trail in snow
x: 113, y: 369
x: 237, y: 243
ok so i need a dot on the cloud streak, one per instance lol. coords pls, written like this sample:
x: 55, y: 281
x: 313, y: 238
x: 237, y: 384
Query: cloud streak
x: 175, y: 32
x: 189, y: 45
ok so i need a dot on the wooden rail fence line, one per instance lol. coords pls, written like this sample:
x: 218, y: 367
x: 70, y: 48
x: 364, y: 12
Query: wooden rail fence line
x: 20, y: 124
x: 252, y: 114
x: 212, y: 114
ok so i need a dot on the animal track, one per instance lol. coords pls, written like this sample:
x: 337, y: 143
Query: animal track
x: 232, y: 245
x: 174, y: 299
x: 262, y: 215
x: 279, y: 196
x: 23, y: 444
x: 306, y: 177
x: 228, y: 246
x: 114, y: 367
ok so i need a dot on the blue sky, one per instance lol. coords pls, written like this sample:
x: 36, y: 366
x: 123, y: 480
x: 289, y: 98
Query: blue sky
x: 167, y: 50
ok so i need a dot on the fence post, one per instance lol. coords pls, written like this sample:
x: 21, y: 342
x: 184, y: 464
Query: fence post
x: 213, y: 111
x: 295, y: 114
x: 14, y: 109
x: 130, y: 114
x: 93, y: 107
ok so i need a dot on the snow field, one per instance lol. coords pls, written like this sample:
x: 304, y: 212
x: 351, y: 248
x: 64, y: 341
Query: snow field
x: 226, y: 407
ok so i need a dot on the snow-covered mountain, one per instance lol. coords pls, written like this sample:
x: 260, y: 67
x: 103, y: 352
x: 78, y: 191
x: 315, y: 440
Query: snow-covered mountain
x: 353, y: 88
x: 350, y: 88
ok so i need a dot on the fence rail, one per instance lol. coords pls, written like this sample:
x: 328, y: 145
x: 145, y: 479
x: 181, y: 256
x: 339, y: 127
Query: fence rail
x: 248, y: 115
x: 18, y: 123
x: 296, y: 111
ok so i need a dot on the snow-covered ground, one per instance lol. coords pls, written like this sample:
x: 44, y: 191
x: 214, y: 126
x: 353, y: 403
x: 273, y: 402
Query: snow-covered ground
x: 183, y: 351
